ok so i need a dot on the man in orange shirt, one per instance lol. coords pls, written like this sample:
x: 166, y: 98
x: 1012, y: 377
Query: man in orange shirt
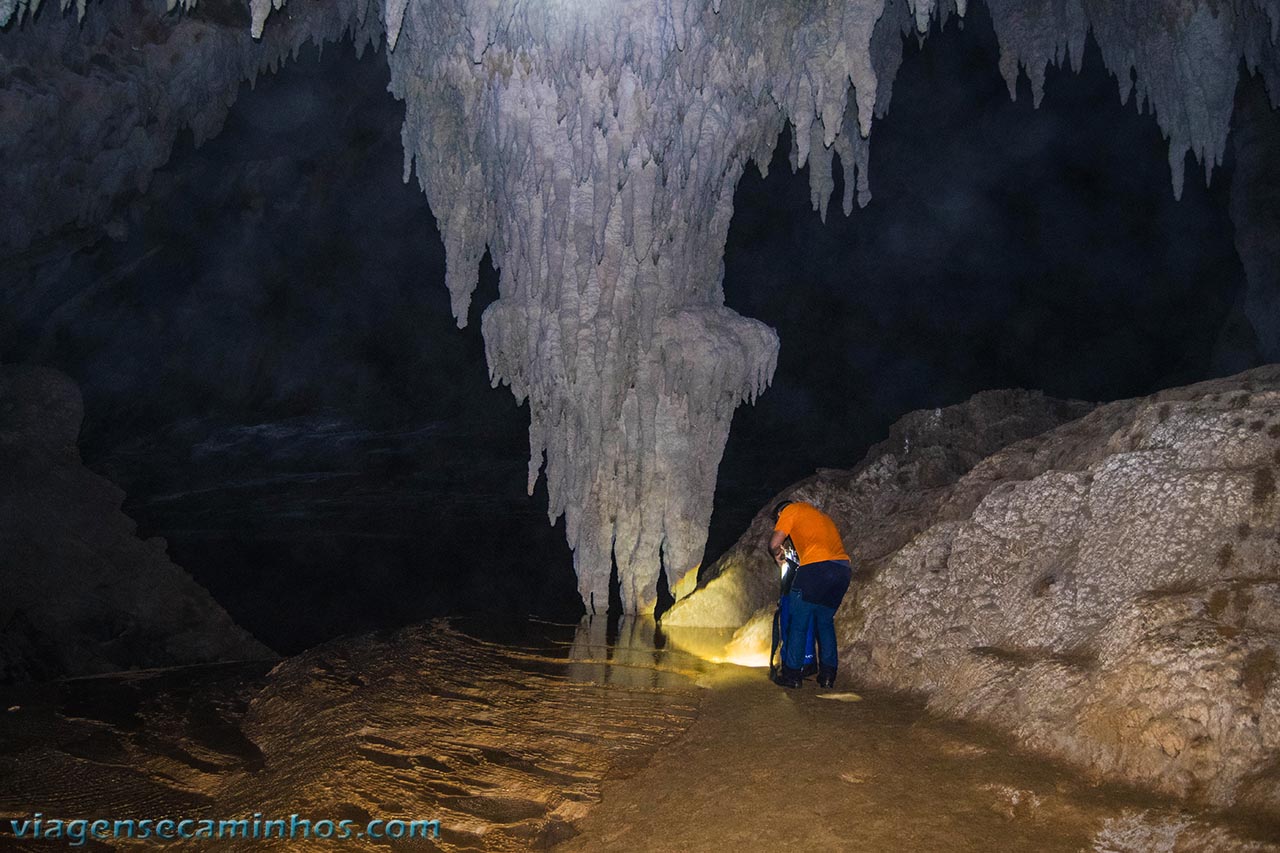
x: 819, y: 586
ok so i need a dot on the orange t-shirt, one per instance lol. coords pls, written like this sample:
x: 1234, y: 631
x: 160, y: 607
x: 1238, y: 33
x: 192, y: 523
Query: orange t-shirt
x: 813, y: 532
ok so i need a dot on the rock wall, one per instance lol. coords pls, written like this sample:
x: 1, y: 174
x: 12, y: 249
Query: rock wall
x: 893, y: 494
x: 1108, y: 591
x: 83, y: 594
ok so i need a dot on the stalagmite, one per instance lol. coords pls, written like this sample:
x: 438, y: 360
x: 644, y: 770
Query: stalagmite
x: 593, y: 149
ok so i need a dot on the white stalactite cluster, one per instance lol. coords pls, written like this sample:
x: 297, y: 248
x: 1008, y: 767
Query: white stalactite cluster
x: 593, y: 148
x: 1180, y: 59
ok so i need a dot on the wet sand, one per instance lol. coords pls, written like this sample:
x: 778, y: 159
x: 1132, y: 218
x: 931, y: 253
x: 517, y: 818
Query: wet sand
x: 505, y: 744
x: 765, y: 768
x: 594, y: 738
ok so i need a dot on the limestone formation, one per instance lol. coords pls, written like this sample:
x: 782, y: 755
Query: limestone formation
x: 593, y: 150
x: 93, y: 106
x: 1108, y: 591
x: 887, y: 499
x: 82, y: 593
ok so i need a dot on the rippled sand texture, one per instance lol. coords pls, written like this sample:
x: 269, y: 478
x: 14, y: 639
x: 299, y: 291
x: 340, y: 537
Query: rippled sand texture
x: 505, y: 746
x: 602, y: 739
x: 155, y: 743
x: 769, y: 769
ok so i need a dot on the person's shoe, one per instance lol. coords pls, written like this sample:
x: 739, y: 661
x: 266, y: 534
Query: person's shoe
x: 826, y: 677
x: 788, y: 678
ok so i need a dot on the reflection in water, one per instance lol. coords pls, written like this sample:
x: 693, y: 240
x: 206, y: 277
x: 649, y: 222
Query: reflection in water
x: 636, y: 651
x: 747, y: 646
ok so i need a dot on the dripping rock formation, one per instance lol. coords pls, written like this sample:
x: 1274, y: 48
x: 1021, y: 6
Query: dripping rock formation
x: 83, y: 594
x: 1108, y: 590
x: 593, y: 151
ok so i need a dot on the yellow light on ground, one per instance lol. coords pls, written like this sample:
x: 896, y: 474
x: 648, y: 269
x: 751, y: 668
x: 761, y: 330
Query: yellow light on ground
x: 752, y: 642
x: 748, y: 646
x: 841, y: 697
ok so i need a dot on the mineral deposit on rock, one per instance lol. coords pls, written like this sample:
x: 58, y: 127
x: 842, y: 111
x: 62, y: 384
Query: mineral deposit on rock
x: 1108, y: 590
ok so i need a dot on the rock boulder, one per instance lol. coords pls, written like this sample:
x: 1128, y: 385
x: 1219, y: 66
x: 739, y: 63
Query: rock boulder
x: 82, y: 593
x: 1107, y: 590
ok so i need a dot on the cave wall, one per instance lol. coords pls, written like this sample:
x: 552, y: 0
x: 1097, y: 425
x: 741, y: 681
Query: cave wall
x: 1107, y: 590
x: 93, y: 103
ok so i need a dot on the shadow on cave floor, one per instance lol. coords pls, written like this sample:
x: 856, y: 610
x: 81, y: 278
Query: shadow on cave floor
x: 602, y: 736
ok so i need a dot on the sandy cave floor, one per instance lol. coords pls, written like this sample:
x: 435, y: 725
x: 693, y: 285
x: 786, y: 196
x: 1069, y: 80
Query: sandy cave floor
x: 771, y: 769
x: 767, y: 768
x: 597, y: 738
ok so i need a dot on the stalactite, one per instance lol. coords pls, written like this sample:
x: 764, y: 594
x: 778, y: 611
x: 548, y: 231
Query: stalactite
x: 595, y: 152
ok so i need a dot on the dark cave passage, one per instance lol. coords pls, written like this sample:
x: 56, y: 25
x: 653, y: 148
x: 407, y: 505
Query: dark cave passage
x: 265, y: 543
x: 272, y: 375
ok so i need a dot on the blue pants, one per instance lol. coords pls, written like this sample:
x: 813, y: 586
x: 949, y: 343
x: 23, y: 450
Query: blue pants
x: 802, y: 615
x: 784, y: 633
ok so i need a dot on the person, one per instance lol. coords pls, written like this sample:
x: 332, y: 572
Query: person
x: 820, y: 584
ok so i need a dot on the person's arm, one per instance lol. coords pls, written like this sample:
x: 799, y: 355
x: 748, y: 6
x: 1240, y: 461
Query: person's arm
x: 775, y: 546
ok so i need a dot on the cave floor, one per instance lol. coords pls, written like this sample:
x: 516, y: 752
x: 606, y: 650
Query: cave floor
x: 589, y: 739
x: 772, y: 769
